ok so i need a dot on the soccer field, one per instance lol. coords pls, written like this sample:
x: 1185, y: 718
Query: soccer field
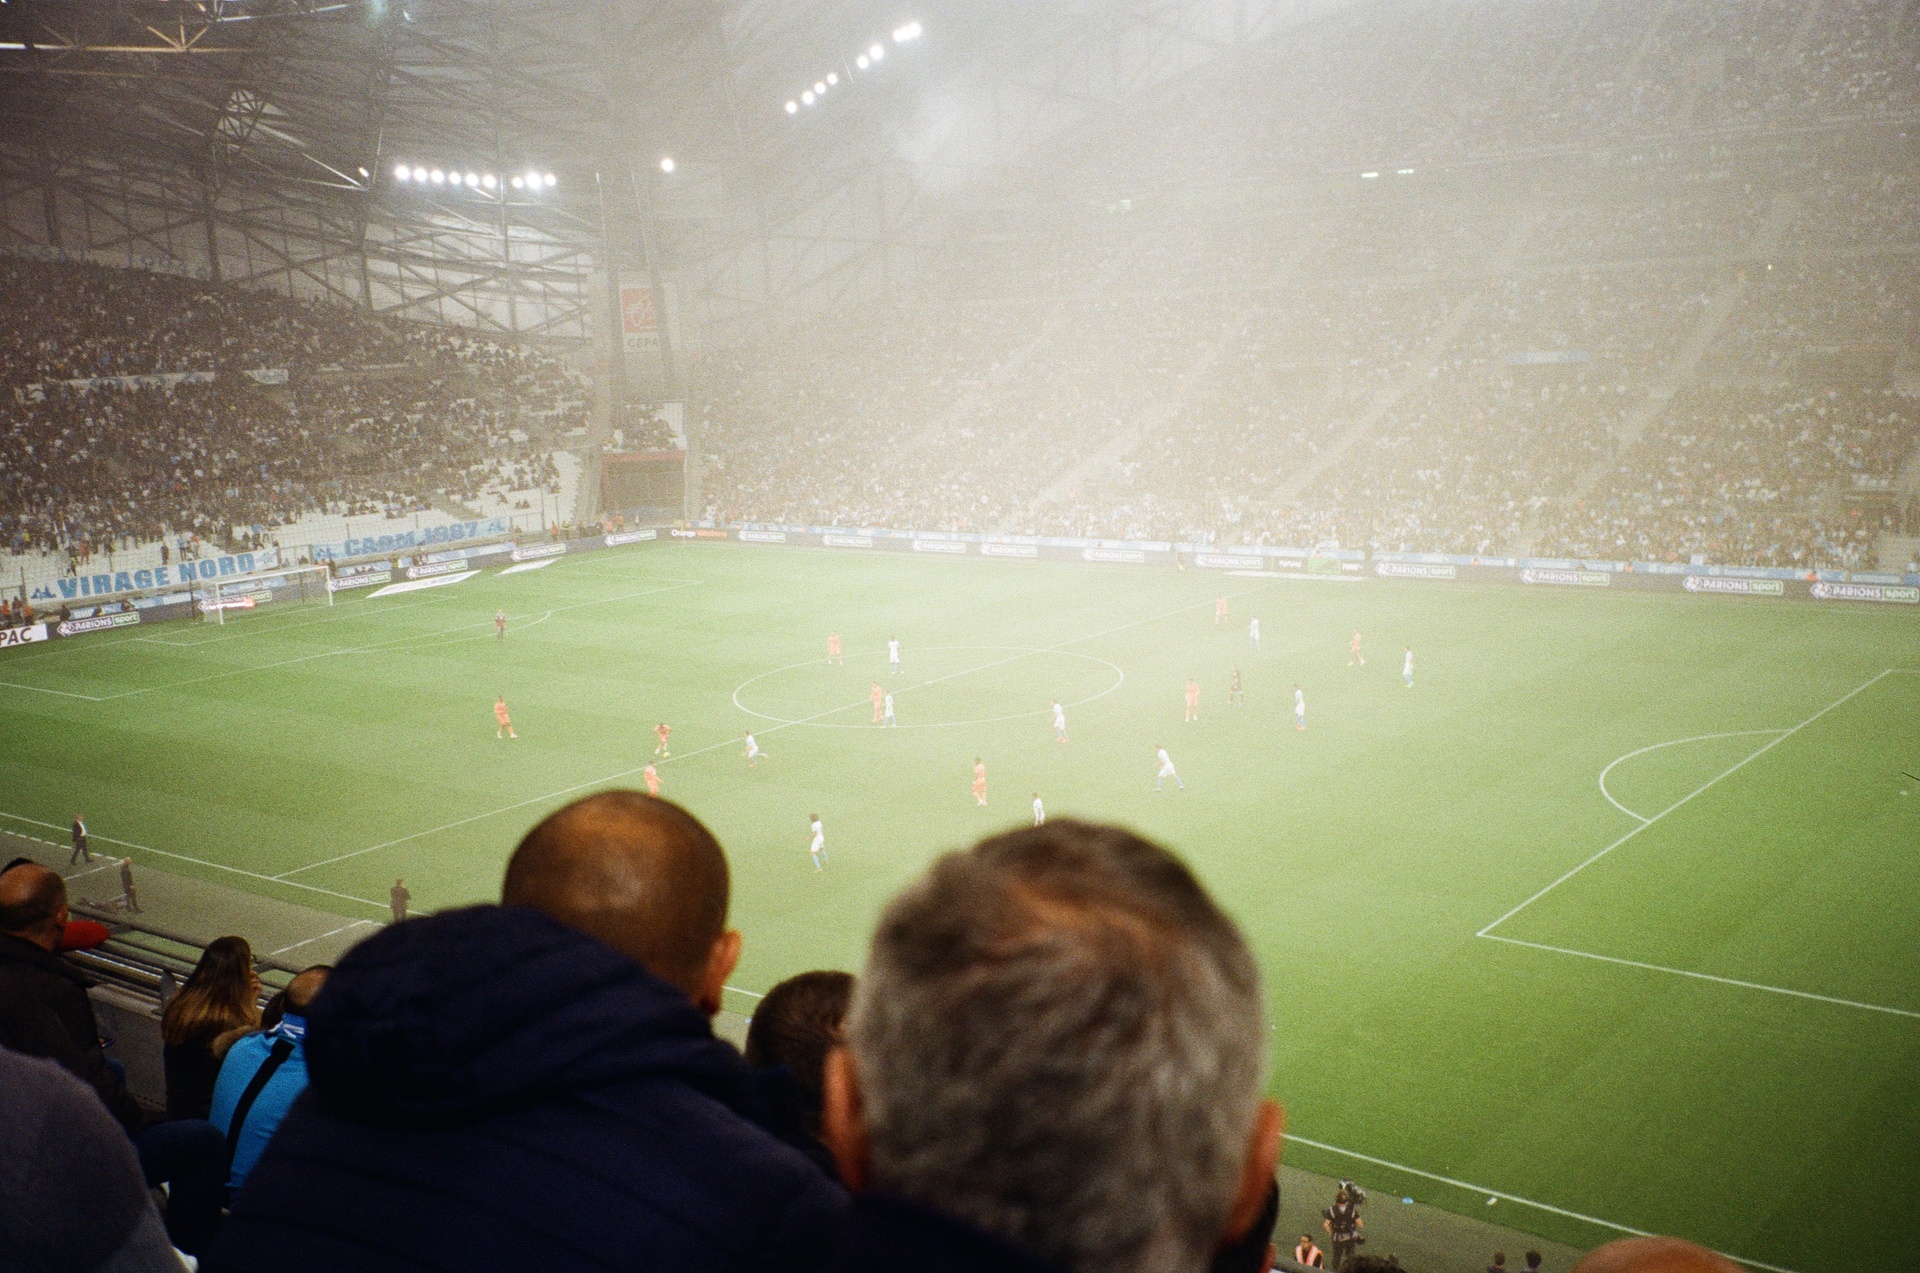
x: 1611, y: 918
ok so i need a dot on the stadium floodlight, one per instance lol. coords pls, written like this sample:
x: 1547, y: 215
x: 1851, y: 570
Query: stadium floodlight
x: 793, y: 108
x: 402, y: 173
x: 863, y: 62
x: 488, y: 180
x: 533, y: 179
x: 911, y: 31
x: 1369, y: 176
x: 419, y: 174
x: 437, y: 177
x: 807, y: 97
x: 833, y: 78
x: 552, y: 180
x: 519, y: 182
x: 1404, y: 172
x: 877, y: 51
x: 819, y: 88
x: 666, y: 164
x: 364, y: 173
x: 473, y: 179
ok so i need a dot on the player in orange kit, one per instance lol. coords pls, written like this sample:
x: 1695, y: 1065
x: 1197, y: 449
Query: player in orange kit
x: 1219, y: 611
x: 1354, y: 657
x: 877, y: 696
x: 979, y: 781
x: 833, y: 649
x: 500, y: 714
x: 1193, y: 699
x: 652, y: 777
x: 661, y: 731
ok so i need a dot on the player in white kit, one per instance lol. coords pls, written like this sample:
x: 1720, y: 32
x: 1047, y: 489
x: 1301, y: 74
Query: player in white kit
x: 1406, y: 668
x: 1253, y: 633
x: 893, y: 656
x: 1166, y: 770
x: 1059, y: 722
x: 819, y: 846
x: 886, y: 711
x: 1039, y: 811
x: 1299, y: 708
x: 754, y: 754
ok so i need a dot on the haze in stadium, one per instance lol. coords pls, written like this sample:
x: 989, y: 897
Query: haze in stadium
x: 1447, y: 471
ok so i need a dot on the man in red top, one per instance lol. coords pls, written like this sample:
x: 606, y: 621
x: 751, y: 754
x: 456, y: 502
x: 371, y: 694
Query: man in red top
x: 500, y: 714
x: 833, y: 649
x: 661, y: 731
x: 878, y: 696
x: 1219, y: 612
x: 1193, y: 699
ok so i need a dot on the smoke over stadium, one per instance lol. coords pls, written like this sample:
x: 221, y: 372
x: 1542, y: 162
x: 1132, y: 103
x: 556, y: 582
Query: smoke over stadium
x: 1068, y: 575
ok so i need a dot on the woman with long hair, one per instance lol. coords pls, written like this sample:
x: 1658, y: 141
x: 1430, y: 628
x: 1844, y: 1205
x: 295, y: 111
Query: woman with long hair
x: 222, y: 994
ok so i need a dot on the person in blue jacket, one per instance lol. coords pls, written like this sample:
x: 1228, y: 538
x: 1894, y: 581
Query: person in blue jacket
x: 261, y: 1075
x: 537, y: 1085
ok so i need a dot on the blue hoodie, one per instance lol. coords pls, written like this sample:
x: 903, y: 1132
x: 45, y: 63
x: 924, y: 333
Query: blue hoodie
x: 493, y: 1090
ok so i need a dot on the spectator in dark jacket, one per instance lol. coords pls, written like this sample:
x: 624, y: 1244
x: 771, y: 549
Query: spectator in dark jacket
x: 793, y: 1029
x: 45, y: 1012
x: 261, y: 1076
x: 71, y: 1196
x: 1053, y: 1061
x: 537, y: 1085
x: 222, y: 994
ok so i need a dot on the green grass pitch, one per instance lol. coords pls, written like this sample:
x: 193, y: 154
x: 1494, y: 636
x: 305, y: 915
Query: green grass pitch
x: 1712, y: 1028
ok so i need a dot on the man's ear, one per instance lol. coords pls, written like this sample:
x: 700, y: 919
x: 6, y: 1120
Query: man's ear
x: 721, y: 961
x: 1263, y: 1159
x: 843, y: 1122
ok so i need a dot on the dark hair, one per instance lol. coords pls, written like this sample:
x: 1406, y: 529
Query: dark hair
x: 796, y: 1025
x: 39, y: 902
x: 218, y: 996
x: 1533, y: 1259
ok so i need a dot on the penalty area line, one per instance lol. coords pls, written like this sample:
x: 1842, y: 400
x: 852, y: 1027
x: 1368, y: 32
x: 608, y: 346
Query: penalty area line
x: 1628, y: 1229
x: 1704, y: 787
x: 1707, y: 976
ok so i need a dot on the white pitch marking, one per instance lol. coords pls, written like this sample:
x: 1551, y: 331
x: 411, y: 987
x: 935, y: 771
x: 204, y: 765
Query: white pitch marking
x: 1707, y: 976
x: 522, y: 567
x: 218, y: 866
x: 41, y: 689
x: 1697, y: 738
x: 1779, y: 738
x: 420, y: 585
x: 1525, y: 1202
x: 332, y: 932
x: 730, y: 742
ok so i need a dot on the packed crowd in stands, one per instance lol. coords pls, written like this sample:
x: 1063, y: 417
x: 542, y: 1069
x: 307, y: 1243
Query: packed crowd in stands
x: 537, y: 1084
x: 374, y: 416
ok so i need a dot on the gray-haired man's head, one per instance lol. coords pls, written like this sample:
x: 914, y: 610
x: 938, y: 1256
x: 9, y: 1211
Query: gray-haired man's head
x: 1058, y: 1037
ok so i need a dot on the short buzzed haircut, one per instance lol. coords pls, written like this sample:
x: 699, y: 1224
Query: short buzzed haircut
x: 1059, y: 1038
x: 30, y: 895
x: 305, y: 988
x: 639, y: 873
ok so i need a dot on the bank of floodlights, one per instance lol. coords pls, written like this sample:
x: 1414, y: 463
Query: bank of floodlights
x: 866, y: 60
x: 484, y: 184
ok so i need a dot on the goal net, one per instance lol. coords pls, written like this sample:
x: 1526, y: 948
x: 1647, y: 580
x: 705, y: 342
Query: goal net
x: 217, y: 600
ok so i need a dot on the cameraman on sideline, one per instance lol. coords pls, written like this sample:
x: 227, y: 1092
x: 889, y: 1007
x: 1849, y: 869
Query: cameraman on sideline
x: 1343, y: 1224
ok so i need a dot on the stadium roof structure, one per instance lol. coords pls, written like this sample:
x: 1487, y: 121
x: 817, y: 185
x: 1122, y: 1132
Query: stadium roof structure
x: 262, y: 141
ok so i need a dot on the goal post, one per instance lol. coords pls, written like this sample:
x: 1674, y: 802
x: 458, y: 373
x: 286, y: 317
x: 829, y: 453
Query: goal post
x: 215, y: 599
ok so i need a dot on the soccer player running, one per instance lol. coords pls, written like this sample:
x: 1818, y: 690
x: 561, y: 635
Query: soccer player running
x: 1235, y: 694
x: 1039, y: 811
x: 980, y: 782
x: 833, y: 649
x: 1406, y: 668
x: 660, y: 732
x: 877, y: 695
x: 506, y: 723
x: 1354, y: 657
x: 500, y: 625
x: 1059, y: 724
x: 1299, y: 708
x: 1166, y: 770
x: 754, y: 754
x: 893, y: 655
x: 1219, y: 611
x: 886, y: 712
x: 651, y: 776
x: 1193, y: 700
x: 818, y: 847
x: 1253, y: 633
